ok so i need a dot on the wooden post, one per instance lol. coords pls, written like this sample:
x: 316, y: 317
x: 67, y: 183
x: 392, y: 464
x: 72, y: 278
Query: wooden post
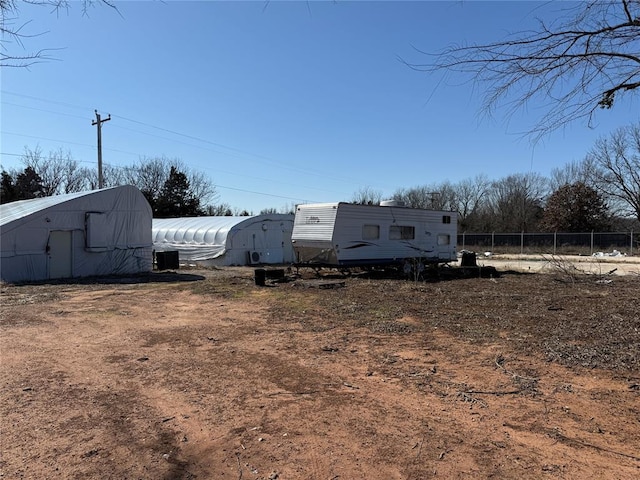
x: 98, y: 122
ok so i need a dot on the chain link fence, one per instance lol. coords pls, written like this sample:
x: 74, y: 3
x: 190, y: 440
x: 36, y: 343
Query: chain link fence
x: 551, y: 243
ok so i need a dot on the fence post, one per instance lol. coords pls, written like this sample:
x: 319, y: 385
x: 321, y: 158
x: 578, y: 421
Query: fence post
x: 521, y: 242
x: 463, y: 233
x: 591, y: 242
x: 492, y: 242
x: 555, y: 240
x: 631, y: 244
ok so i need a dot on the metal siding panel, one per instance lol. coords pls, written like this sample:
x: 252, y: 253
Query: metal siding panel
x: 427, y: 223
x: 314, y: 223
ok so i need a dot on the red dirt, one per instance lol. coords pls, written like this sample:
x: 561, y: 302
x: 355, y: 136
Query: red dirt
x: 204, y: 375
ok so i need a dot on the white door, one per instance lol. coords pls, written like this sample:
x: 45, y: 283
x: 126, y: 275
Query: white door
x: 287, y: 246
x: 60, y: 254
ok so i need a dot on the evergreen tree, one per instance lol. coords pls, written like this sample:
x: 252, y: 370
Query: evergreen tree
x: 176, y: 198
x: 8, y: 191
x: 575, y: 208
x: 29, y: 185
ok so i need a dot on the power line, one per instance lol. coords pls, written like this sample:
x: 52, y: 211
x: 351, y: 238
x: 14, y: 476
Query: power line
x: 166, y: 130
x: 68, y: 142
x: 141, y: 156
x: 48, y: 139
x: 210, y: 150
x: 226, y: 150
x: 114, y: 126
x: 46, y: 100
x: 42, y: 110
x: 191, y: 137
x: 233, y: 149
x: 261, y: 193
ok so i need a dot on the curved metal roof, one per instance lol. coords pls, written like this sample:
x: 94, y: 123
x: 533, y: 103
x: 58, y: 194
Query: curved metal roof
x: 10, y: 212
x: 204, y: 230
x: 23, y: 208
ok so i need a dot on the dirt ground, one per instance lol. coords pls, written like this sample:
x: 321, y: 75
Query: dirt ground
x: 201, y: 374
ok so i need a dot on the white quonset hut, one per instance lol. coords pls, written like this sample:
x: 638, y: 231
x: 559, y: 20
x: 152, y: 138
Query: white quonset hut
x: 101, y: 232
x: 219, y: 241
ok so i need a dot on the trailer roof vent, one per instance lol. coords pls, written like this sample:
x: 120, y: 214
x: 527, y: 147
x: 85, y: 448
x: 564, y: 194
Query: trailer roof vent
x: 392, y: 203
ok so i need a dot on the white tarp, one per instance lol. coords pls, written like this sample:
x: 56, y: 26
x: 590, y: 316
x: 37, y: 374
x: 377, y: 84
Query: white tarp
x: 101, y: 232
x: 226, y: 240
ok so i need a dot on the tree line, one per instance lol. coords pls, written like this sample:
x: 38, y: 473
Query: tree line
x: 599, y: 193
x: 171, y: 188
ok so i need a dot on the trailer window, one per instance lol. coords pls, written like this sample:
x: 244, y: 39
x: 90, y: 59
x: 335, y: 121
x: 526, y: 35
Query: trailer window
x: 370, y: 232
x: 401, y: 232
x: 446, y: 219
x: 444, y: 239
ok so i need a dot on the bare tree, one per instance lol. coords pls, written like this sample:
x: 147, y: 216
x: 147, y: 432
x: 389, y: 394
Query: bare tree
x: 14, y: 32
x: 367, y: 196
x: 422, y: 196
x: 444, y: 197
x: 202, y: 187
x: 586, y: 60
x: 289, y: 208
x: 469, y: 199
x: 59, y: 172
x: 615, y: 169
x: 220, y: 210
x: 571, y: 173
x: 436, y: 196
x: 515, y: 202
x: 112, y: 176
x: 49, y: 173
x: 75, y: 177
x: 150, y: 175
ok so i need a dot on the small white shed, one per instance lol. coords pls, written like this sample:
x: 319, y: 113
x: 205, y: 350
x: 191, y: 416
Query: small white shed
x: 101, y: 232
x: 218, y: 241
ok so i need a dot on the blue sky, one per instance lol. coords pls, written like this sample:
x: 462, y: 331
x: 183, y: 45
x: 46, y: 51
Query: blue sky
x: 279, y: 102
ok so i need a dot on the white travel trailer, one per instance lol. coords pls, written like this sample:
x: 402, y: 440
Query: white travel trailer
x: 350, y: 235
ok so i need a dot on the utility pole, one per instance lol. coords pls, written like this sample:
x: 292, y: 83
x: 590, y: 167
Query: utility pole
x: 99, y: 123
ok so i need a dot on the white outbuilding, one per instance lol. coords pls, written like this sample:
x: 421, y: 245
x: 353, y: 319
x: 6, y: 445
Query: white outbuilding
x: 219, y: 241
x: 100, y: 232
